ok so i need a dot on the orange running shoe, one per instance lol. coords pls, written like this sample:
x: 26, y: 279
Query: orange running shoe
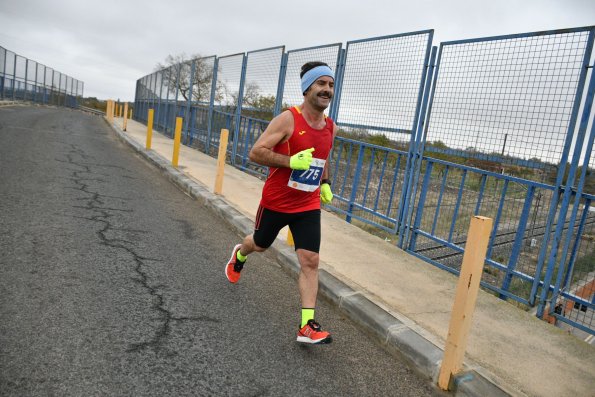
x: 312, y: 333
x: 234, y: 266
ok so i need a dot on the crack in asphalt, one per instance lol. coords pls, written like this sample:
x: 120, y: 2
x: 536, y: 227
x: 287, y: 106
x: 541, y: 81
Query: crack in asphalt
x: 103, y: 214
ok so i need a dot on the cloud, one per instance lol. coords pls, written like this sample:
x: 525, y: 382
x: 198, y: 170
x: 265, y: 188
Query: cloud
x: 111, y: 44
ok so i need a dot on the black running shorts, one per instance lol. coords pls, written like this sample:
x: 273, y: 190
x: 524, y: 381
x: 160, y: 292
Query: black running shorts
x: 304, y: 226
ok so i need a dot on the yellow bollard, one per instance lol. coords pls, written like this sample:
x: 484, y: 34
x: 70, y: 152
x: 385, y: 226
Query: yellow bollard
x: 124, y: 122
x: 177, y: 138
x: 221, y: 161
x: 149, y: 130
x: 465, y: 298
x: 110, y: 115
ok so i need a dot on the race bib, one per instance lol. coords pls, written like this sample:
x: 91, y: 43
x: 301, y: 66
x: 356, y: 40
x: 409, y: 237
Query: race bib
x: 307, y: 180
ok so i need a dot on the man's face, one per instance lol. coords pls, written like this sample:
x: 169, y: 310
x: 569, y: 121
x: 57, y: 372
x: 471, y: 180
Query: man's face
x: 321, y: 92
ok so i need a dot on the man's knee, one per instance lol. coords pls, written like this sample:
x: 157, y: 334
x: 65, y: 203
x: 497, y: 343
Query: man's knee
x: 308, y: 259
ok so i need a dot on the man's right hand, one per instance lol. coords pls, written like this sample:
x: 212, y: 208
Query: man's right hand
x: 301, y: 160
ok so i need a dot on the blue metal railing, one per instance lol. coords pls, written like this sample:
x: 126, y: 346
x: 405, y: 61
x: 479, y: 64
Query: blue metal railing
x: 453, y: 124
x: 23, y: 79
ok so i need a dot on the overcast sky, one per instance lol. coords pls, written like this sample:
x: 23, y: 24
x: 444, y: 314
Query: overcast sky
x: 110, y: 44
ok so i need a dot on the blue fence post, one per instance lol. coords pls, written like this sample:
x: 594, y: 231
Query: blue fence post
x: 2, y: 77
x: 14, y: 78
x: 60, y: 88
x: 455, y: 215
x: 51, y: 90
x: 356, y: 177
x: 189, y: 102
x: 518, y: 241
x: 559, y: 181
x: 416, y: 149
x: 281, y: 85
x: 157, y: 116
x: 497, y: 220
x: 339, y: 73
x: 167, y: 104
x: 45, y: 90
x: 175, y: 110
x: 568, y: 191
x: 236, y: 133
x: 212, y: 105
x: 26, y: 72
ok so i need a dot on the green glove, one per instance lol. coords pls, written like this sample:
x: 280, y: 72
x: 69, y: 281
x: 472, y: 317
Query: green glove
x: 326, y: 195
x: 301, y: 160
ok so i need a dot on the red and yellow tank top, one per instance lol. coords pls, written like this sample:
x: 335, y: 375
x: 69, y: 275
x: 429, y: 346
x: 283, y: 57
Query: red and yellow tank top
x: 287, y: 190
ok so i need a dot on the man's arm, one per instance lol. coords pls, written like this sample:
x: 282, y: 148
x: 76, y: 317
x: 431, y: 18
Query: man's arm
x: 279, y: 130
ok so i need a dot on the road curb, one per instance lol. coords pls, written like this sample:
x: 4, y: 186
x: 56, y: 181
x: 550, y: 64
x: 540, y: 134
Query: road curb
x: 395, y: 335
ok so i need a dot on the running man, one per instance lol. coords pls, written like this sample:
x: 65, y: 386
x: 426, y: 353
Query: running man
x: 295, y: 146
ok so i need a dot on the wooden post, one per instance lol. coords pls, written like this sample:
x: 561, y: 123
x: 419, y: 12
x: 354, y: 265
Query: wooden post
x: 125, y: 116
x: 221, y: 161
x: 465, y: 298
x: 110, y: 115
x: 177, y: 138
x: 149, y: 129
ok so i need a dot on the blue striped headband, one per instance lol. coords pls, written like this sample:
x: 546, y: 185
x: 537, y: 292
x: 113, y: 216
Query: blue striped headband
x: 314, y: 74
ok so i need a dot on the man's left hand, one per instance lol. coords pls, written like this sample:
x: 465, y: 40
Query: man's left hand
x: 326, y: 195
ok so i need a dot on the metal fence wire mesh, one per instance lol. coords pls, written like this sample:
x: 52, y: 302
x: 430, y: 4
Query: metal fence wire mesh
x: 49, y: 73
x: 511, y: 98
x: 381, y: 83
x: 27, y: 80
x: 9, y: 63
x: 229, y: 76
x: 40, y: 75
x: 262, y: 81
x: 502, y: 117
x: 202, y: 82
x: 2, y: 60
x: 31, y: 69
x: 20, y: 68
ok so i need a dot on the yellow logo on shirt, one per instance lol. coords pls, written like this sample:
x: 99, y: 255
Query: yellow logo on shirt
x: 302, y: 132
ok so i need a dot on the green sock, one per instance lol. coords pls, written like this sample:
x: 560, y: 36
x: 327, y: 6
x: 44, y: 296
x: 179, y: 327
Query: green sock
x: 307, y: 314
x: 241, y: 257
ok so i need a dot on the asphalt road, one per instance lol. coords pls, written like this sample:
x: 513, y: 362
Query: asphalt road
x: 112, y: 284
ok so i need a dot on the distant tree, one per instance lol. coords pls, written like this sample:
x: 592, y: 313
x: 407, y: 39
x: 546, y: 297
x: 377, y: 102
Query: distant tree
x: 94, y: 103
x: 180, y: 65
x: 254, y: 104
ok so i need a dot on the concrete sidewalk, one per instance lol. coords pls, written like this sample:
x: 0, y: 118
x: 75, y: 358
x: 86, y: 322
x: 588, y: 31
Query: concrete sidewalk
x: 401, y: 300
